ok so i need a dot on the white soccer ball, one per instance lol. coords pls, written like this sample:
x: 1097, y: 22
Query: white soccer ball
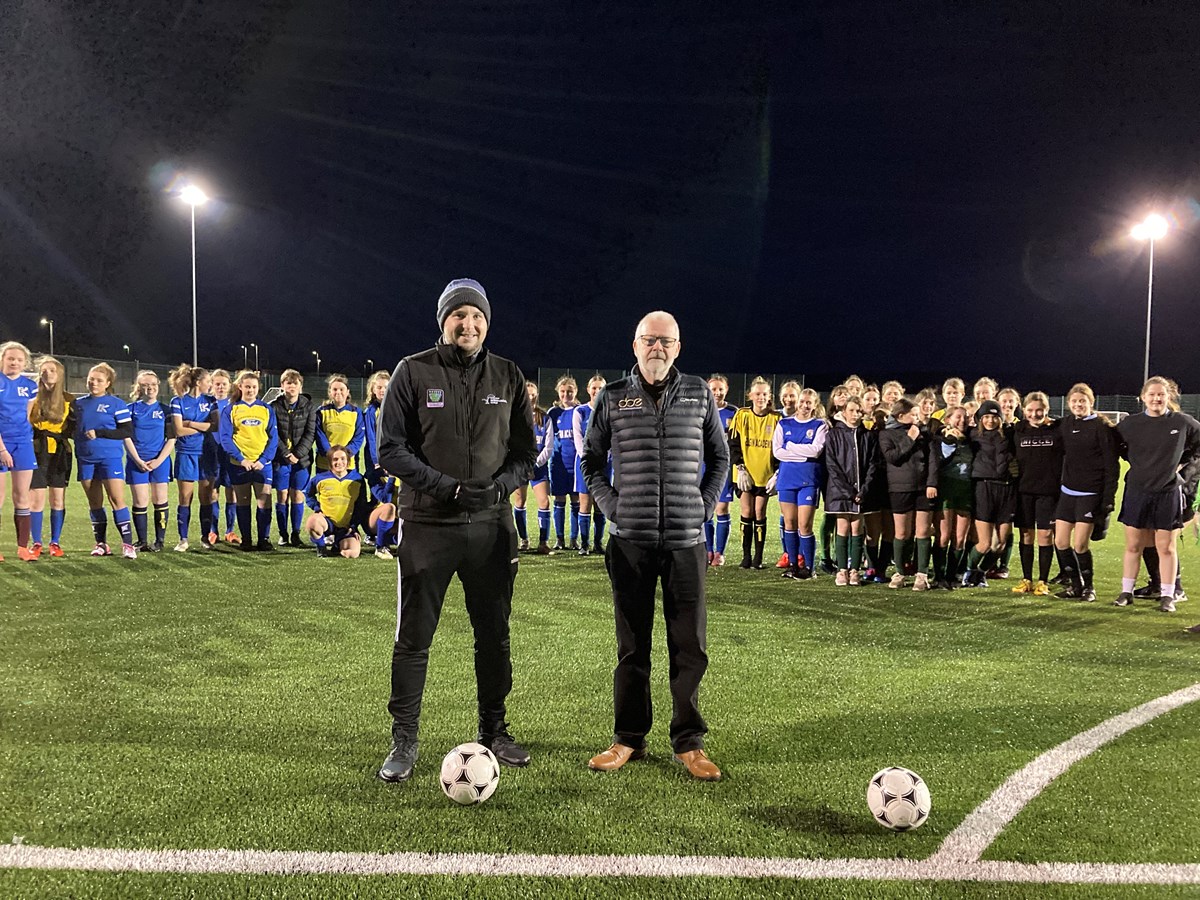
x: 470, y: 774
x: 898, y: 798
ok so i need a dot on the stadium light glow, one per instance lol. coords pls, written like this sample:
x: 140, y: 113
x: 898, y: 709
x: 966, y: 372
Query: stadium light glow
x: 255, y: 346
x: 193, y: 196
x: 1152, y: 228
x: 318, y: 356
x: 49, y: 322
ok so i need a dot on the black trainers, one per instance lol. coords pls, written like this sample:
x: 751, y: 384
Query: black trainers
x: 507, y: 751
x: 829, y: 566
x: 399, y: 763
x: 804, y: 573
x: 1125, y: 598
x: 746, y: 563
x: 1089, y: 596
x: 296, y: 541
x: 1147, y: 592
x: 265, y: 545
x: 1069, y: 594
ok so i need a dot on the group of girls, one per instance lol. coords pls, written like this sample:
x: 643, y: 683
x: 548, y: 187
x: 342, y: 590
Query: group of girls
x: 936, y: 490
x: 217, y: 434
x: 558, y: 474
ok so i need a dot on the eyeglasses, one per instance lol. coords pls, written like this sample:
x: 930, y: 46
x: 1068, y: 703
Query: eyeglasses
x: 649, y: 340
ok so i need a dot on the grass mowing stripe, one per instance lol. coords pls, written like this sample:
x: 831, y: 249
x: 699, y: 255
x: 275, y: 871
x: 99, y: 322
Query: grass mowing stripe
x: 267, y: 862
x: 971, y: 838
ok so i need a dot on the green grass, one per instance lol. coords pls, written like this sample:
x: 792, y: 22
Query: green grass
x: 238, y: 700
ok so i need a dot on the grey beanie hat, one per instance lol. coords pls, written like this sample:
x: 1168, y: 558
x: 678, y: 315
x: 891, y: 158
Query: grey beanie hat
x: 463, y: 292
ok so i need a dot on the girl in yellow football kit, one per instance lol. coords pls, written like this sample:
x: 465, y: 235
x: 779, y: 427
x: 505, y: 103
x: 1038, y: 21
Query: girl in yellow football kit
x: 750, y: 451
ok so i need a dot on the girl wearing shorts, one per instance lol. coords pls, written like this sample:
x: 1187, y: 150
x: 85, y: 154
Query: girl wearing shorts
x: 562, y: 462
x: 953, y: 456
x: 148, y: 459
x: 993, y: 471
x: 194, y: 416
x: 580, y: 416
x: 750, y: 435
x: 798, y: 443
x: 1040, y: 461
x: 1163, y: 450
x: 249, y: 438
x: 53, y: 418
x: 17, y: 456
x: 104, y: 424
x: 912, y: 489
x: 538, y: 481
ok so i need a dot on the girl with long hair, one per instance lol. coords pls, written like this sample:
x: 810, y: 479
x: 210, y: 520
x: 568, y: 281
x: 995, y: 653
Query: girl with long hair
x: 148, y: 459
x: 17, y: 456
x: 194, y: 417
x: 53, y: 418
x: 750, y: 451
x: 538, y: 481
x: 104, y: 423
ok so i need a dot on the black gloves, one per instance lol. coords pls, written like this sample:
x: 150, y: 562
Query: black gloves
x: 1100, y: 529
x: 478, y: 494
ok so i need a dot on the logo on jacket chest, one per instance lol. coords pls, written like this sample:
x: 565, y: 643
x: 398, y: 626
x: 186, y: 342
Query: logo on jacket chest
x: 629, y: 403
x: 493, y: 400
x: 435, y: 398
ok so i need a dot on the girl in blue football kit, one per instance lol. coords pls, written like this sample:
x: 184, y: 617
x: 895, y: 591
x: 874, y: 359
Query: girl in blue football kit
x: 104, y: 423
x: 562, y: 462
x: 580, y: 416
x: 377, y: 386
x: 17, y: 393
x: 193, y: 418
x: 538, y: 481
x: 148, y: 459
x: 215, y: 474
x: 798, y: 443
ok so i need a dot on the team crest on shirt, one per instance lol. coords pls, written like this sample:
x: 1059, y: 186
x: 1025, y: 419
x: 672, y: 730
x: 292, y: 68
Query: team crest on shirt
x: 101, y: 407
x: 809, y: 434
x: 435, y: 398
x: 22, y: 392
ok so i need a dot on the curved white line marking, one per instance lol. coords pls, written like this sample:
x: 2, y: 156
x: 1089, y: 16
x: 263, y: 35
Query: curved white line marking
x: 277, y: 862
x: 977, y: 831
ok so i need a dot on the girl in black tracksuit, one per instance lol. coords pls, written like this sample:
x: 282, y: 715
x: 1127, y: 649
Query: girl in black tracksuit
x: 1089, y: 487
x: 993, y: 470
x: 1039, y: 458
x: 852, y: 466
x: 954, y: 457
x: 912, y: 489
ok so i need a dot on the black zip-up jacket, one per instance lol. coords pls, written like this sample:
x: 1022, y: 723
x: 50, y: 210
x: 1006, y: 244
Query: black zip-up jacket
x: 908, y: 467
x: 297, y: 429
x: 1040, y: 457
x: 852, y: 464
x: 1090, y: 457
x: 657, y: 497
x: 446, y: 420
x: 1163, y: 451
x: 993, y: 451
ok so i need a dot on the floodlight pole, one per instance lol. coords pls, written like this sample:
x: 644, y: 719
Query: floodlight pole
x: 1149, y: 306
x: 195, y: 350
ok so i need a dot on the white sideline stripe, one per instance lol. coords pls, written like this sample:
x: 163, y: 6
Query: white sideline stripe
x: 280, y: 862
x: 976, y: 832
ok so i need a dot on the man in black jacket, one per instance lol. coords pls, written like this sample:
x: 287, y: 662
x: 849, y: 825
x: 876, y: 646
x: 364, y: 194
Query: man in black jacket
x: 456, y: 428
x: 660, y: 427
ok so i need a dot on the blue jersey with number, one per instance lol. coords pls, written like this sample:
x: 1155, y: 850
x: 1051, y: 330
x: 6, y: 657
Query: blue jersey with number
x: 103, y: 413
x: 193, y: 409
x: 15, y: 394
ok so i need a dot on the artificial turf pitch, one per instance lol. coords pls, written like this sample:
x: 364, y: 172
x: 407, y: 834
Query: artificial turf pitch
x: 229, y: 700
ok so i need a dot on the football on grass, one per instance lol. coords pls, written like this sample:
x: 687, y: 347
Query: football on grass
x: 898, y: 798
x: 470, y: 774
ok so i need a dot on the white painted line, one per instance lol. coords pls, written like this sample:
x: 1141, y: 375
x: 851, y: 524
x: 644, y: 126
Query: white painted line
x: 278, y: 862
x: 977, y: 831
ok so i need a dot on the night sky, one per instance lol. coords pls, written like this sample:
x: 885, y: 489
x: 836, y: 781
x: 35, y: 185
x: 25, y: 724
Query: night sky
x: 897, y: 189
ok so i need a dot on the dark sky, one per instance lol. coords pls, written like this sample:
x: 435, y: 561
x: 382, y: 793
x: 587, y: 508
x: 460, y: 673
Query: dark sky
x: 909, y: 189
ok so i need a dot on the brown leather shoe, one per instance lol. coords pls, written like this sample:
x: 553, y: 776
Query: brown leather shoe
x: 699, y: 765
x: 615, y: 757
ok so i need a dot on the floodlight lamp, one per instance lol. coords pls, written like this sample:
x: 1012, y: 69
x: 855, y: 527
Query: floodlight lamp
x: 1152, y: 228
x: 193, y: 196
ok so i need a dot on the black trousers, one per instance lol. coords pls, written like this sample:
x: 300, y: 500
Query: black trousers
x: 484, y: 556
x: 635, y: 572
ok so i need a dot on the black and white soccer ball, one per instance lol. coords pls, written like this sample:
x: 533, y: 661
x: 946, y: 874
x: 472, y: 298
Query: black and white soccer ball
x: 470, y: 774
x: 898, y: 798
